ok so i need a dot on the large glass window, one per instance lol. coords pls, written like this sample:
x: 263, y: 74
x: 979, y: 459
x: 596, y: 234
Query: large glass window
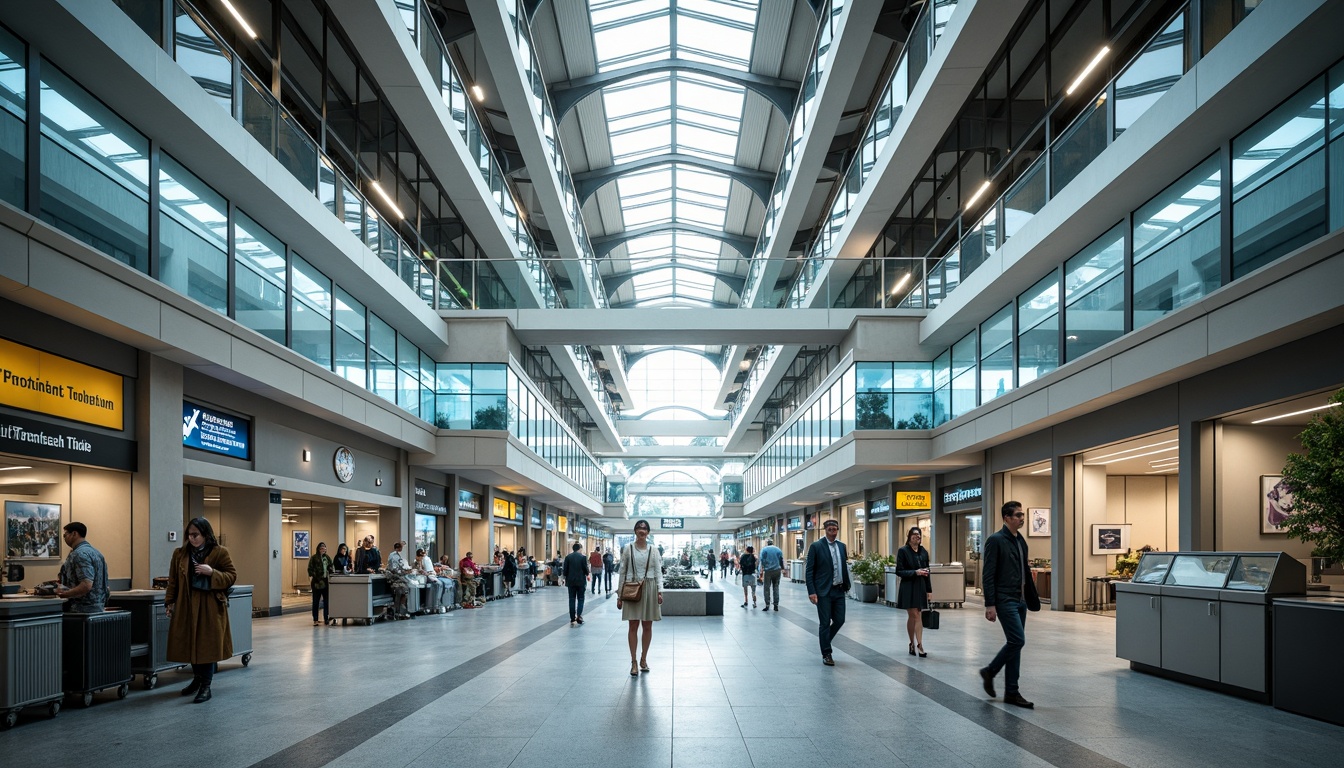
x: 1278, y: 181
x: 996, y: 354
x: 351, y: 352
x: 1176, y: 244
x: 963, y: 375
x: 193, y: 236
x: 13, y: 116
x: 1336, y: 153
x: 95, y: 172
x: 1038, y: 330
x: 260, y: 285
x: 1094, y: 294
x: 310, y: 306
x: 382, y: 357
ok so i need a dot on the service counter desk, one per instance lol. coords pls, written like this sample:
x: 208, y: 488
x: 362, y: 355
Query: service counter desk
x: 357, y: 595
x: 1205, y: 617
x: 798, y: 571
x: 149, y: 631
x: 30, y: 652
x: 949, y: 584
x: 1307, y: 675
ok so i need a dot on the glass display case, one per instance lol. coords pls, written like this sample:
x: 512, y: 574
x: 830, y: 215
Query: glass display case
x: 1200, y: 570
x: 1152, y: 568
x: 1253, y: 573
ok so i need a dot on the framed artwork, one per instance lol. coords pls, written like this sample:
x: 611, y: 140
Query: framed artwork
x: 1038, y: 521
x: 1110, y: 538
x: 32, y: 531
x: 303, y: 545
x: 1276, y: 504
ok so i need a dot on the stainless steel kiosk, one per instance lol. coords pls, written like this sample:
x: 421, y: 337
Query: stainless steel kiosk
x: 1205, y: 617
x: 30, y: 650
x: 355, y: 596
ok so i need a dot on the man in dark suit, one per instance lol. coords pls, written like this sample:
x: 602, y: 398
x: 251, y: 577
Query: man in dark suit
x: 827, y: 582
x: 1009, y: 594
x: 576, y: 578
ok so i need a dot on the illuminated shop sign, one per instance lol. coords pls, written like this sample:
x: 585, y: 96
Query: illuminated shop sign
x: 209, y: 430
x: 27, y: 437
x: 550, y: 522
x: 41, y: 382
x: 964, y: 493
x: 881, y: 510
x: 468, y: 501
x: 914, y: 500
x: 795, y: 524
x: 536, y: 518
x: 430, y: 499
x: 672, y: 523
x: 507, y: 511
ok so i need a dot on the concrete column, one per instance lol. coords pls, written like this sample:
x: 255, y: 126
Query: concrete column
x: 1063, y: 533
x: 156, y: 498
x: 1195, y: 525
x: 488, y: 517
x: 249, y: 525
x: 452, y: 545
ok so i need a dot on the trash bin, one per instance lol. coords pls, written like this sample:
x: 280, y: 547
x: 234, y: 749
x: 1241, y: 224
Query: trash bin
x: 96, y: 653
x: 30, y: 643
x: 240, y: 621
x: 149, y: 632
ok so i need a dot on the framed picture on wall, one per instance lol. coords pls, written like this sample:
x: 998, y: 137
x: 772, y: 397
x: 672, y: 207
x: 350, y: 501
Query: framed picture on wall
x: 1038, y: 521
x: 1276, y: 504
x: 32, y: 531
x: 303, y: 545
x: 1110, y: 538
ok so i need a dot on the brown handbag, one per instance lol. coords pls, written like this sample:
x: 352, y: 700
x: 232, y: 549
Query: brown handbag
x: 633, y: 591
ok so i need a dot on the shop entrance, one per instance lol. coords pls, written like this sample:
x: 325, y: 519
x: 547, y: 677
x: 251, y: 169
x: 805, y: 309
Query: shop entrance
x: 967, y: 539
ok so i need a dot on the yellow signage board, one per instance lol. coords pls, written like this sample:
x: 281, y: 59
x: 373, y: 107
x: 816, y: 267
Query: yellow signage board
x: 56, y: 386
x: 914, y: 500
x: 563, y: 522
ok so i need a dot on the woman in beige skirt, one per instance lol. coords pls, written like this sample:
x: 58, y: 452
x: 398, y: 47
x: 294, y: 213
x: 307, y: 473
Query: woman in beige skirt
x: 640, y: 562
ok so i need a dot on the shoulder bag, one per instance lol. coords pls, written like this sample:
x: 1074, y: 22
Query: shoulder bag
x: 633, y: 591
x: 929, y: 618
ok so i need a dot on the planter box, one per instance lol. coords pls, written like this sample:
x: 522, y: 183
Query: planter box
x: 692, y: 602
x: 864, y: 593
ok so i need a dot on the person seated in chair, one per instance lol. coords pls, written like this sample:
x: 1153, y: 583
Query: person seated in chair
x: 467, y: 572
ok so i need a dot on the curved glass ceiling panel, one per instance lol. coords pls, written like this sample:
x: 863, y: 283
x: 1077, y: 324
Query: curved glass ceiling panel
x: 673, y: 377
x: 673, y: 112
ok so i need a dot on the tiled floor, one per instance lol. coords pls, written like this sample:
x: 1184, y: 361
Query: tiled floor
x: 514, y: 684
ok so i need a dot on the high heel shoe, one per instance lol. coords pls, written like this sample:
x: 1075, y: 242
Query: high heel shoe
x: 634, y: 669
x: 912, y: 649
x: 922, y: 654
x: 643, y: 666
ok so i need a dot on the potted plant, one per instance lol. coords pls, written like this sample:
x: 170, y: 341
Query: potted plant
x: 868, y: 573
x: 1316, y: 479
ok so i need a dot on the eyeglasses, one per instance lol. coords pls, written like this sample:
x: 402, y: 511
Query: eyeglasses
x: 1018, y: 514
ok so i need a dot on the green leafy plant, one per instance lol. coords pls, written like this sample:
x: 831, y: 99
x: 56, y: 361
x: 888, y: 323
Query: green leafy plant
x: 1316, y: 479
x: 872, y: 568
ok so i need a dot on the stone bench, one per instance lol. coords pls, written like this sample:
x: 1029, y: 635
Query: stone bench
x: 692, y: 602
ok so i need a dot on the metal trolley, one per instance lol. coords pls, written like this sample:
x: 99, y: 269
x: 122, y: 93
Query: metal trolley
x: 149, y: 632
x: 96, y: 654
x: 240, y: 621
x: 30, y: 652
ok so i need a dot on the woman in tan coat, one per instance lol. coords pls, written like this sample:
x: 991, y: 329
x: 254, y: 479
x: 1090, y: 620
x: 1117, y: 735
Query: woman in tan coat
x: 198, y: 605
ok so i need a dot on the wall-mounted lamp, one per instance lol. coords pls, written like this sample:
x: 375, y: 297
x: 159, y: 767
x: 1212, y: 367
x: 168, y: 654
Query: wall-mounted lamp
x: 379, y: 479
x: 271, y: 481
x: 307, y: 455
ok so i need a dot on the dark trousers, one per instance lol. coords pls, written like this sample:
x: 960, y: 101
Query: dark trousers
x: 710, y: 570
x: 322, y: 596
x: 723, y: 567
x: 203, y: 672
x: 1012, y: 616
x: 770, y: 580
x: 608, y: 573
x: 576, y: 592
x: 830, y: 618
x: 597, y: 580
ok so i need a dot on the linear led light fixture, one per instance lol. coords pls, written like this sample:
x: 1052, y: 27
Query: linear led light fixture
x: 1135, y: 456
x: 387, y: 199
x: 900, y: 283
x: 252, y: 33
x: 1131, y: 450
x: 478, y: 92
x: 1041, y: 471
x: 1295, y: 413
x: 1161, y: 471
x: 1091, y: 65
x: 8, y: 469
x: 982, y: 190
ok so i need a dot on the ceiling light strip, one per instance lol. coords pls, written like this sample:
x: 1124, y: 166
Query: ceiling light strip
x: 1295, y: 413
x: 1131, y: 450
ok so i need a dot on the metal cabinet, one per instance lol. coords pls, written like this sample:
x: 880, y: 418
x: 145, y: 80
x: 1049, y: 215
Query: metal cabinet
x: 1243, y: 637
x: 1190, y: 628
x: 1139, y: 637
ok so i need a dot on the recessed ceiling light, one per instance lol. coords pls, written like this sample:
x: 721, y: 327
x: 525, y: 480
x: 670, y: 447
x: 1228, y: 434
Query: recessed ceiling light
x: 1132, y: 450
x: 1295, y: 413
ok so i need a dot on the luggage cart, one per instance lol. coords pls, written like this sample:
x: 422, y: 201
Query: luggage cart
x: 30, y: 642
x: 149, y: 632
x: 95, y: 654
x: 240, y: 621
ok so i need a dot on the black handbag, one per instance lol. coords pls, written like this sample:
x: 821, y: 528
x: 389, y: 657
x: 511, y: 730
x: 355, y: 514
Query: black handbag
x: 929, y: 618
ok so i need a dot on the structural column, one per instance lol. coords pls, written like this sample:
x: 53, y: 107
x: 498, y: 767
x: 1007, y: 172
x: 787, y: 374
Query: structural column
x: 156, y: 505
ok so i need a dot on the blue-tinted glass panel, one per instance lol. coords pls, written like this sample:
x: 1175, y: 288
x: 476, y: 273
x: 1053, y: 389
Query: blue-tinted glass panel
x: 873, y: 411
x: 13, y: 114
x: 1278, y: 181
x: 193, y: 236
x: 1336, y: 130
x: 351, y: 359
x: 95, y: 172
x: 1176, y: 244
x: 203, y: 58
x: 489, y: 378
x: 382, y: 339
x: 873, y: 376
x: 259, y: 288
x: 310, y: 308
x: 1150, y: 75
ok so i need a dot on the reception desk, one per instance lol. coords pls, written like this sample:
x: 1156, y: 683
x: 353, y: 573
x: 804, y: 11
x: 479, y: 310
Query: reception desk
x: 355, y: 596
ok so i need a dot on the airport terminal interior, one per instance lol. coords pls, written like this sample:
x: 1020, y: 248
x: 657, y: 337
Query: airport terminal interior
x: 497, y: 279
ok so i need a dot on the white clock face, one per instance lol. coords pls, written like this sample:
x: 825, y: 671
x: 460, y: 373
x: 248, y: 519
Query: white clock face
x: 344, y: 462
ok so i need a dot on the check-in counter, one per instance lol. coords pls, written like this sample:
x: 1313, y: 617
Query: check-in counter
x: 1205, y: 617
x: 949, y: 583
x: 356, y: 595
x: 1306, y: 645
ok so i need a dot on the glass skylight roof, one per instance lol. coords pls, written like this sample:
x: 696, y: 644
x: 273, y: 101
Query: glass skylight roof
x: 673, y: 112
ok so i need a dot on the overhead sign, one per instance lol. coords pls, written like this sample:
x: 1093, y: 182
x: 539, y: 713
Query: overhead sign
x: 881, y: 509
x: 795, y: 524
x: 536, y: 518
x: 468, y: 501
x: 676, y: 523
x: 430, y: 498
x: 914, y: 500
x: 26, y: 437
x: 209, y: 430
x: 550, y: 522
x: 41, y: 382
x: 963, y: 493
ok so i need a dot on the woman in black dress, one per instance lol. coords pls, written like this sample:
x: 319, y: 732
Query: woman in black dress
x: 916, y: 593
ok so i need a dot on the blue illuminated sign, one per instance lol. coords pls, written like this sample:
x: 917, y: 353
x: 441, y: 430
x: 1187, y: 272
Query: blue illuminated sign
x: 209, y: 430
